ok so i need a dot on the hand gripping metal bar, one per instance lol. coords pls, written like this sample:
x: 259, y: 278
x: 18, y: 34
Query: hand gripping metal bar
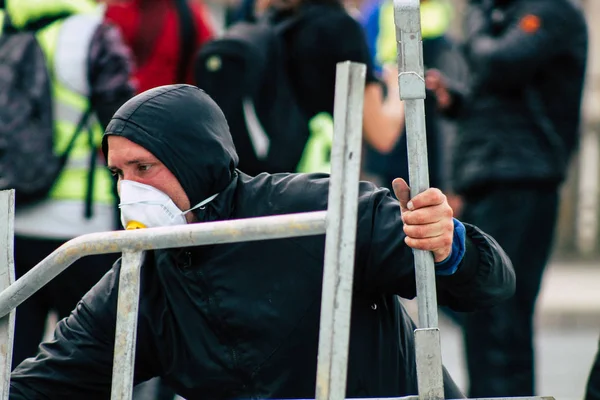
x: 407, y: 18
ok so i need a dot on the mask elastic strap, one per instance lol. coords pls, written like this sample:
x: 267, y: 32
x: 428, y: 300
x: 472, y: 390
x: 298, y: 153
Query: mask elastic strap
x: 202, y: 203
x: 148, y: 202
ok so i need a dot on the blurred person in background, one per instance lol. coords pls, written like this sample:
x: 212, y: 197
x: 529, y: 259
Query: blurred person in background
x: 593, y: 385
x: 88, y: 68
x: 318, y: 35
x: 313, y: 63
x: 163, y: 35
x: 518, y: 125
x: 439, y: 52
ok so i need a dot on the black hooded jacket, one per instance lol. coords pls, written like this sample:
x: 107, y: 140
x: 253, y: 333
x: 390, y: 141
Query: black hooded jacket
x: 241, y: 320
x: 519, y: 120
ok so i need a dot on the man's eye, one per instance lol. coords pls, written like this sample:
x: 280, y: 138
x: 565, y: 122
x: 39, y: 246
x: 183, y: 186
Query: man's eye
x: 144, y: 168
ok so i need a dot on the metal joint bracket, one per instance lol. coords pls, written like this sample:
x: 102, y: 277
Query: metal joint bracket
x: 411, y: 79
x: 429, y: 354
x: 412, y: 86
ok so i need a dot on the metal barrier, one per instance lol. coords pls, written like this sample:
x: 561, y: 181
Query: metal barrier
x: 7, y: 277
x: 407, y: 18
x: 338, y: 223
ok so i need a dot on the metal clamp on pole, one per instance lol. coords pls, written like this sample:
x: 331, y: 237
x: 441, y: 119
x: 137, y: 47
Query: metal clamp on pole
x: 407, y: 17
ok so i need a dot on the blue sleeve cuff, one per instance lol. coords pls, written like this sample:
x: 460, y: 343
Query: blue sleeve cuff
x: 450, y: 265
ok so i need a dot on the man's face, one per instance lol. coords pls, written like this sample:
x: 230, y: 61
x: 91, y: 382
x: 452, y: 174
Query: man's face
x: 132, y: 162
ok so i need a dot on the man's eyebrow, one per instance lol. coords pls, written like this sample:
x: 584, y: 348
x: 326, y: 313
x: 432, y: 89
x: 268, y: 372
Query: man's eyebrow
x: 140, y: 161
x: 133, y: 162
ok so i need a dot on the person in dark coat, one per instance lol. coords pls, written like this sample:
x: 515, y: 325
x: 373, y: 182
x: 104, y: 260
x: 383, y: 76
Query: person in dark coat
x: 518, y: 124
x: 592, y: 391
x: 241, y: 320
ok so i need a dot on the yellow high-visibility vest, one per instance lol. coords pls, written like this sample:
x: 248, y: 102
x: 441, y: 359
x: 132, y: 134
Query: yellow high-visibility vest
x: 436, y: 17
x: 65, y: 44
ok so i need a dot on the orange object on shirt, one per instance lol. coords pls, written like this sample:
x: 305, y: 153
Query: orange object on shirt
x: 530, y: 23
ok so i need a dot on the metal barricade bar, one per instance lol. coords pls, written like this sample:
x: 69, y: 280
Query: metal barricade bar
x: 340, y: 239
x: 417, y: 398
x: 412, y: 91
x: 126, y: 330
x: 407, y: 18
x: 7, y: 277
x: 272, y: 227
x: 411, y: 79
x: 131, y: 243
x: 339, y: 254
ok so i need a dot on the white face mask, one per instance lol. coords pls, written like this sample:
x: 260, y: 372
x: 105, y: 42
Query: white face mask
x: 143, y: 206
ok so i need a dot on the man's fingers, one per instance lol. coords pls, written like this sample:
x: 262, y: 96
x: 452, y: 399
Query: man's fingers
x: 428, y: 215
x: 390, y: 74
x: 430, y: 230
x: 427, y: 218
x: 429, y: 244
x: 441, y: 246
x: 430, y: 197
x: 402, y: 192
x: 433, y: 79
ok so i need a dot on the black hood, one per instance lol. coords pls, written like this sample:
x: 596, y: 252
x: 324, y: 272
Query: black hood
x: 186, y: 130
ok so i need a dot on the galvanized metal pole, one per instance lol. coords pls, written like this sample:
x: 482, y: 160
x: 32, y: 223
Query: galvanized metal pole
x: 259, y: 228
x: 336, y: 302
x: 7, y: 277
x: 126, y: 330
x: 411, y: 79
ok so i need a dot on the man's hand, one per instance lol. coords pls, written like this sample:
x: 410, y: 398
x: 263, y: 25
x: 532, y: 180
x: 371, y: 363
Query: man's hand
x: 434, y: 81
x: 427, y: 218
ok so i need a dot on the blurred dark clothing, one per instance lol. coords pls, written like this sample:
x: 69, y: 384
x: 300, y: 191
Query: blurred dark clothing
x: 499, y: 341
x: 152, y: 29
x: 315, y: 46
x: 439, y: 53
x: 340, y: 38
x: 518, y: 126
x: 316, y: 36
x: 60, y: 295
x: 593, y: 386
x: 519, y: 118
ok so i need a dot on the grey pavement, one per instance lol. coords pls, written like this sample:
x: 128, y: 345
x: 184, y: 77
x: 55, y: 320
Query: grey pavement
x: 564, y: 358
x: 570, y: 295
x: 567, y: 331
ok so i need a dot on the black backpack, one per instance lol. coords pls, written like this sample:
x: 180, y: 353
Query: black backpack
x: 246, y: 72
x: 28, y: 163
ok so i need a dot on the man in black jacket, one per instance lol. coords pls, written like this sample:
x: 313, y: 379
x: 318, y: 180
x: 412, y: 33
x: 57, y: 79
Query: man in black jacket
x: 518, y: 127
x: 241, y: 320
